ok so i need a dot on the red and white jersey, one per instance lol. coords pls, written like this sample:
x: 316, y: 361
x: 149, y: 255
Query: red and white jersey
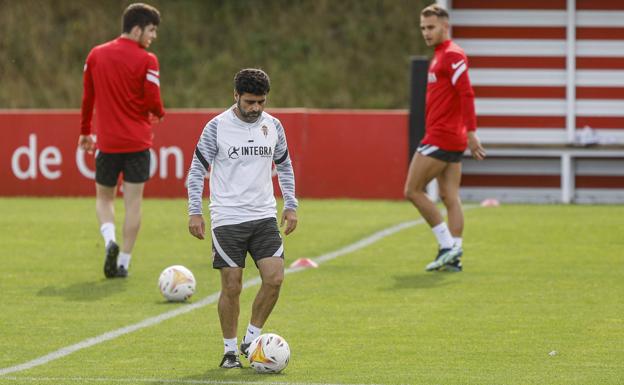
x: 121, y: 79
x: 450, y: 110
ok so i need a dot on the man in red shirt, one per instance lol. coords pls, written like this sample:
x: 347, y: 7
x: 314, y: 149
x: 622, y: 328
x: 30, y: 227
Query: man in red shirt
x: 450, y: 128
x: 121, y: 79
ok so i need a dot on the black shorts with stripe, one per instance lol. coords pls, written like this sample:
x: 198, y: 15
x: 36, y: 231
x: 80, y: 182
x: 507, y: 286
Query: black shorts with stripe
x: 231, y: 243
x: 135, y: 167
x: 440, y: 154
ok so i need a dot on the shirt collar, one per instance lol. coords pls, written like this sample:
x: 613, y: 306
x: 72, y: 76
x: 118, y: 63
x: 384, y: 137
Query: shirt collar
x: 125, y: 40
x: 443, y: 45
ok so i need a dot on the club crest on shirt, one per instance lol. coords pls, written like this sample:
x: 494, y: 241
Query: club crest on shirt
x: 265, y: 130
x: 432, y: 77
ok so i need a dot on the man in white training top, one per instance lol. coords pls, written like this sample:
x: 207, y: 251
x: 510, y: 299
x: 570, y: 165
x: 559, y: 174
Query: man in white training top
x: 238, y: 148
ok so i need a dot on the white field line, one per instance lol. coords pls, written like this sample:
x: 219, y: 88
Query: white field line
x: 62, y: 352
x: 111, y: 380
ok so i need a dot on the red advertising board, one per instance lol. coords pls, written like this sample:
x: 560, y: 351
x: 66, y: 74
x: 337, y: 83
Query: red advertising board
x: 336, y: 154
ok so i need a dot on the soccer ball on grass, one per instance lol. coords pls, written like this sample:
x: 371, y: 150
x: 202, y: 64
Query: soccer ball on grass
x: 269, y: 353
x: 176, y: 283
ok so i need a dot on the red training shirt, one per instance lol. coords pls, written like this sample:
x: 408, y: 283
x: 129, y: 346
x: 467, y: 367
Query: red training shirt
x: 122, y: 79
x: 450, y: 110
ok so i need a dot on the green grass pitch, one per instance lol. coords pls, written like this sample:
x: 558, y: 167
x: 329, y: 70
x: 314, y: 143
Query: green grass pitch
x: 540, y: 300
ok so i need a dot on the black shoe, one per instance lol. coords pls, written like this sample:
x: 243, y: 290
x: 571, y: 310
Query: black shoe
x: 121, y: 272
x: 110, y: 264
x: 244, y: 348
x: 230, y: 361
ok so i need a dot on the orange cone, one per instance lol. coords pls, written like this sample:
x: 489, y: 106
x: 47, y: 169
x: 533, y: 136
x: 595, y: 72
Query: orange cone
x: 490, y: 202
x: 304, y: 263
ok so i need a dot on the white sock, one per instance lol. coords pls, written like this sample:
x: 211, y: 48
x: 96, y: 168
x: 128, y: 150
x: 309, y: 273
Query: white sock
x: 124, y: 260
x: 108, y: 232
x: 443, y: 235
x: 458, y: 241
x: 230, y: 345
x: 252, y: 333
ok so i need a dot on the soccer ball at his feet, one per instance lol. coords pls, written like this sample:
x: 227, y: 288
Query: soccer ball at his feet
x: 176, y: 283
x: 269, y: 353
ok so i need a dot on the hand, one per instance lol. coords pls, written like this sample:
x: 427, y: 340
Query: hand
x: 197, y: 226
x: 155, y: 119
x: 290, y: 217
x: 474, y: 144
x: 87, y: 143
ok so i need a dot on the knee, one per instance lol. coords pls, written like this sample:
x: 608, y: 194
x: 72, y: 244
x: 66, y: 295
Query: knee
x: 232, y: 288
x: 408, y: 194
x: 412, y: 195
x: 449, y: 200
x: 105, y: 200
x: 274, y: 281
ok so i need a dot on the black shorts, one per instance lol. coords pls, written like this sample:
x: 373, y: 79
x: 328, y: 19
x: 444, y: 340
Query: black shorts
x: 134, y: 165
x: 230, y: 243
x: 440, y: 154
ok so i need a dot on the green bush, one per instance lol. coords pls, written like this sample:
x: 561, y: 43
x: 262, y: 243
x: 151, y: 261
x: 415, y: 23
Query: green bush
x: 319, y: 53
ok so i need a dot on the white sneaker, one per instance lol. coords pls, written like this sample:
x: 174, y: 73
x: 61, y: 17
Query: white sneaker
x: 445, y: 257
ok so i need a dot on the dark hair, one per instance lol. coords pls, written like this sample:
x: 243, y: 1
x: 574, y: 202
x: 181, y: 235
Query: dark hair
x: 141, y: 15
x: 435, y: 10
x: 252, y: 80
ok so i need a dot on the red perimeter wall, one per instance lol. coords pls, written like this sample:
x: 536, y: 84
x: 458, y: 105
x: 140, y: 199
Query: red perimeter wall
x: 336, y: 153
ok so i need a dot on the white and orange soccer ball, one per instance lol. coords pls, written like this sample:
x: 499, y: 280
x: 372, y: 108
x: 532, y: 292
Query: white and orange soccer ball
x: 176, y: 283
x: 269, y: 353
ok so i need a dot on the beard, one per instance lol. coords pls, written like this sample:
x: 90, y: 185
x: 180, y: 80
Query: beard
x: 248, y: 117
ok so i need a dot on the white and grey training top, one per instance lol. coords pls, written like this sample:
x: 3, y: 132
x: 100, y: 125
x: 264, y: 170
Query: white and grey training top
x: 240, y: 158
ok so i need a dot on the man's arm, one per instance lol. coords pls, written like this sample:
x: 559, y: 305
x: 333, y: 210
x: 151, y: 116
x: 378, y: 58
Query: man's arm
x: 203, y: 157
x: 85, y: 141
x: 458, y: 67
x: 151, y: 86
x: 286, y: 178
